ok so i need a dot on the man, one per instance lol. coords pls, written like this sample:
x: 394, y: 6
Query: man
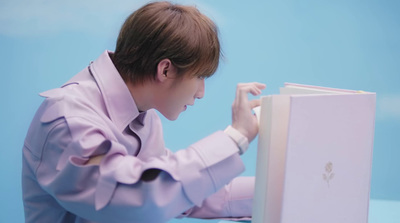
x: 95, y: 149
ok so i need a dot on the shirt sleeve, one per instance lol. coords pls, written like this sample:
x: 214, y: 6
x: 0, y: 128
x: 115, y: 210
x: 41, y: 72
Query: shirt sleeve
x: 233, y: 202
x: 114, y: 190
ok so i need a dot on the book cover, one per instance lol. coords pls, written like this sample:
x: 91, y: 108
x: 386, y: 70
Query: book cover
x: 314, y: 156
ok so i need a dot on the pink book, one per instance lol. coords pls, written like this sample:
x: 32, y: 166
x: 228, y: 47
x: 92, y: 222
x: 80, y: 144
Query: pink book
x: 314, y: 156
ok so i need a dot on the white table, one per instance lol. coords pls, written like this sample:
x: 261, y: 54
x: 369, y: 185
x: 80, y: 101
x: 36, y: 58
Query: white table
x: 380, y: 211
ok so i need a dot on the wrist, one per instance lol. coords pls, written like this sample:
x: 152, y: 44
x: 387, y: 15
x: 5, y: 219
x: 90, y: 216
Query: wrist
x: 241, y: 140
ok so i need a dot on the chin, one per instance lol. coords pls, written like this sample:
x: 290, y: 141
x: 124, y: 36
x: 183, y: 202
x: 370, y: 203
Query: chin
x: 168, y: 114
x: 171, y: 117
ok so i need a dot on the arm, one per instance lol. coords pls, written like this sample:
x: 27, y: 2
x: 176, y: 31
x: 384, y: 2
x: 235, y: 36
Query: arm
x: 114, y: 190
x: 235, y: 199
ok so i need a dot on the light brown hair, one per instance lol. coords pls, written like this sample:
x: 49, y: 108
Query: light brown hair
x: 161, y: 30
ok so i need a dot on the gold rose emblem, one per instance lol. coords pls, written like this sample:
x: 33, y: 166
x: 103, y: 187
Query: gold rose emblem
x: 328, y: 175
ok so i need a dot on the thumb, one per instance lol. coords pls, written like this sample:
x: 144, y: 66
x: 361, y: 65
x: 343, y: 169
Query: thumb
x: 254, y: 103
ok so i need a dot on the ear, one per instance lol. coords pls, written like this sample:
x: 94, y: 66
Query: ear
x: 163, y: 68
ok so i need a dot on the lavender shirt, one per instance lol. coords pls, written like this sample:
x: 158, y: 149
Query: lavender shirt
x: 94, y: 113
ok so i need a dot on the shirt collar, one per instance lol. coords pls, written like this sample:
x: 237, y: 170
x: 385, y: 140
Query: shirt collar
x: 120, y: 105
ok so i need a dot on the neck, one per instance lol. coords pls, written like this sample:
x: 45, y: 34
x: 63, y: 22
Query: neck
x: 142, y: 94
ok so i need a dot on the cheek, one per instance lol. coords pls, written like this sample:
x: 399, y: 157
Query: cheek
x: 195, y: 86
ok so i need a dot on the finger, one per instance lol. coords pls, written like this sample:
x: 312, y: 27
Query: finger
x: 243, y: 91
x: 254, y: 103
x: 260, y: 86
x: 244, y: 88
x: 257, y: 84
x: 254, y: 88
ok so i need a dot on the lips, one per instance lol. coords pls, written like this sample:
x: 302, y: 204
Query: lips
x: 185, y: 107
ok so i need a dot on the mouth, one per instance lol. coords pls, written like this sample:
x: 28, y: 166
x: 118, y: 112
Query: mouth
x: 185, y: 107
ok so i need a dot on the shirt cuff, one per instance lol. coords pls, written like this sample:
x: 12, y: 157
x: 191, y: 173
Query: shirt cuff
x: 241, y: 140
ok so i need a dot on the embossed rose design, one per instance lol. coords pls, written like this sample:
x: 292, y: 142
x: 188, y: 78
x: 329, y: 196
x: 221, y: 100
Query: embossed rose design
x: 328, y: 175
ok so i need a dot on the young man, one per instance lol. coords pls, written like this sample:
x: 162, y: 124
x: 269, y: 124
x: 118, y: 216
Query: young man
x: 95, y: 149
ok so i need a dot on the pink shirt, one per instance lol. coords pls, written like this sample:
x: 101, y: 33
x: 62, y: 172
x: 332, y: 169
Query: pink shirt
x: 94, y: 113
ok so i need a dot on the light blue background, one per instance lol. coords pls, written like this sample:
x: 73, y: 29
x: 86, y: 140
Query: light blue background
x: 341, y: 43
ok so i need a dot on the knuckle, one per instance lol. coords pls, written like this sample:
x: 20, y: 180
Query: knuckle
x: 241, y: 89
x: 240, y: 85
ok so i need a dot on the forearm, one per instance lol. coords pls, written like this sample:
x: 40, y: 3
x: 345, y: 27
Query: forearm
x: 232, y: 201
x: 115, y: 188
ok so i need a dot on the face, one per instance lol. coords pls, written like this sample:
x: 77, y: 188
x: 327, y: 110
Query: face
x: 179, y: 94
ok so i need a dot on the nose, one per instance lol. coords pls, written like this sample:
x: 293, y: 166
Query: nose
x: 200, y: 90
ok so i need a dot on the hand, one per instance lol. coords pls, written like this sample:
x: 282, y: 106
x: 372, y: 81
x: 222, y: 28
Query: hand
x: 243, y: 119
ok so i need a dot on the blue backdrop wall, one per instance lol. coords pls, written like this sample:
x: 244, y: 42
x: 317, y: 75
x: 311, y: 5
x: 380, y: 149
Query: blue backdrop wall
x: 343, y: 44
